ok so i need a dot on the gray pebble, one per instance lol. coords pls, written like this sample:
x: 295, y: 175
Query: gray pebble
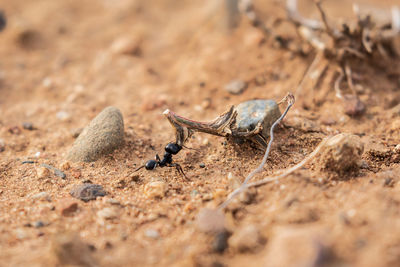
x: 236, y: 87
x: 252, y: 112
x: 152, y: 233
x: 38, y: 224
x: 202, y: 165
x: 28, y: 126
x: 56, y: 171
x: 86, y: 192
x: 103, y: 134
x: 220, y: 242
x: 3, y: 21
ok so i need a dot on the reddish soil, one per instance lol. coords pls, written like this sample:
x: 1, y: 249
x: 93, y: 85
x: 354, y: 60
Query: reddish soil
x: 59, y: 69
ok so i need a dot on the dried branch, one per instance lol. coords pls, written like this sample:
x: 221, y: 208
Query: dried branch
x: 289, y: 98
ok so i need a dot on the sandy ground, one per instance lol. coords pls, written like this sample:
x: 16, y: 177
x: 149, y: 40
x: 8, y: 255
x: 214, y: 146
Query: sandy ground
x: 60, y: 65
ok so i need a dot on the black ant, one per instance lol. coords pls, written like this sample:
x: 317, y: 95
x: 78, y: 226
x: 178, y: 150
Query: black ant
x: 170, y: 149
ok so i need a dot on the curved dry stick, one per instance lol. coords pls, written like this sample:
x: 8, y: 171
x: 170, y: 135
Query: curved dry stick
x: 290, y: 100
x: 276, y: 177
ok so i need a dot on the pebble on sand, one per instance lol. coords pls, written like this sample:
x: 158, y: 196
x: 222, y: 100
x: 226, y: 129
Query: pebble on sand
x: 252, y: 112
x: 342, y: 153
x: 246, y: 238
x: 104, y: 134
x: 236, y: 87
x: 210, y: 221
x: 42, y: 172
x: 156, y: 189
x: 86, y: 192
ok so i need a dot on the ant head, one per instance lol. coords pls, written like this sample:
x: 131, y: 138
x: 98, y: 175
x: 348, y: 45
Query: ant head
x: 151, y: 164
x: 173, y: 148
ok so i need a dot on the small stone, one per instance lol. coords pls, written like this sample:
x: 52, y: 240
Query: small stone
x: 3, y: 21
x: 62, y: 115
x: 210, y: 221
x: 342, y: 153
x: 152, y: 233
x: 260, y: 80
x: 202, y: 165
x: 65, y: 166
x: 2, y: 145
x: 69, y: 250
x: 245, y: 239
x: 397, y: 148
x: 38, y: 224
x: 236, y: 87
x: 68, y: 207
x: 291, y: 246
x: 220, y: 242
x: 353, y: 106
x: 86, y: 192
x: 107, y: 213
x: 76, y: 132
x: 254, y: 112
x: 126, y: 46
x: 56, y: 171
x: 156, y: 189
x: 104, y: 134
x: 14, y: 130
x: 28, y: 126
x: 41, y: 196
x: 42, y: 172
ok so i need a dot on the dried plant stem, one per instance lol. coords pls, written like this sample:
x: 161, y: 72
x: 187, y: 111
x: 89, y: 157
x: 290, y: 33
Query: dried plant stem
x: 290, y: 100
x: 269, y: 179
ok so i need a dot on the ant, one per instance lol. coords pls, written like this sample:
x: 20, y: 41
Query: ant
x: 170, y: 149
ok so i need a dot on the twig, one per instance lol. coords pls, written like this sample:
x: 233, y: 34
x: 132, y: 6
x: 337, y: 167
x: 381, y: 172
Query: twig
x: 310, y: 68
x: 290, y: 100
x: 294, y: 15
x: 276, y: 177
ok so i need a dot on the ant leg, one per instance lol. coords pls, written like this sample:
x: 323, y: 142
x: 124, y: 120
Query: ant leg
x: 158, y: 158
x: 139, y: 168
x: 178, y: 168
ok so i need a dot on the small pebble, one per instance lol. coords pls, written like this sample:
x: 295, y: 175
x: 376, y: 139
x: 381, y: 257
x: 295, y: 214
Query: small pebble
x: 14, y: 130
x: 56, y: 171
x: 68, y: 207
x: 2, y: 145
x: 107, y: 213
x: 236, y: 87
x: 152, y: 233
x: 210, y: 221
x: 41, y: 196
x: 342, y: 153
x: 353, y: 106
x: 202, y: 165
x: 220, y: 242
x: 76, y: 132
x: 254, y: 112
x: 246, y: 239
x: 126, y: 45
x: 156, y: 189
x: 62, y: 115
x: 87, y: 192
x: 103, y: 135
x: 42, y: 172
x: 28, y: 126
x: 3, y: 21
x: 65, y: 166
x: 38, y: 224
